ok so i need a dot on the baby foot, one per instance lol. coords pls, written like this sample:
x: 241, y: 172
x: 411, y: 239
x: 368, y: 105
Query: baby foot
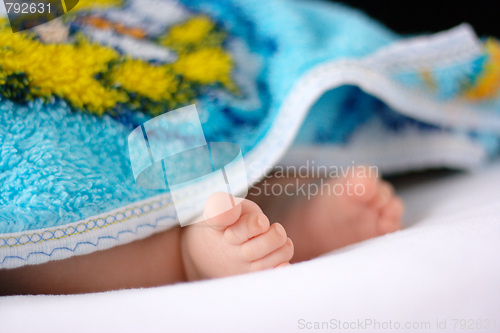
x: 240, y: 240
x: 366, y: 208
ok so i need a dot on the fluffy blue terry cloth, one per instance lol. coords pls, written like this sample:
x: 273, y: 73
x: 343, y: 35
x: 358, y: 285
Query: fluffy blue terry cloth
x: 61, y: 164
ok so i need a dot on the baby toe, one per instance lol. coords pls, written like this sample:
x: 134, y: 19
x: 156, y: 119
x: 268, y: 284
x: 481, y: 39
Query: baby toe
x: 390, y: 217
x: 278, y: 258
x: 383, y: 194
x: 264, y: 244
x: 247, y: 227
x: 362, y: 189
x: 387, y: 225
x: 394, y: 207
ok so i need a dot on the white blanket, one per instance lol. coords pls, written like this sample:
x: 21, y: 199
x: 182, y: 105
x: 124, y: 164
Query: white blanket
x: 444, y: 267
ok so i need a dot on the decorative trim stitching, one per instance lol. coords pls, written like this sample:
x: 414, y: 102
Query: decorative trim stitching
x: 75, y: 228
x: 90, y: 243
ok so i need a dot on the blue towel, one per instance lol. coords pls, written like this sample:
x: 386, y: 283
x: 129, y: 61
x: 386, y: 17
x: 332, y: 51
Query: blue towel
x: 259, y: 72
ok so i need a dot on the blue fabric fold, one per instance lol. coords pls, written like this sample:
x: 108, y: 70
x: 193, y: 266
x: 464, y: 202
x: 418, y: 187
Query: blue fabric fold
x: 59, y: 164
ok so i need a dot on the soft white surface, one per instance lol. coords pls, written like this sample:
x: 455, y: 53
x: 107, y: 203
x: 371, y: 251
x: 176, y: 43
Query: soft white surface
x: 444, y: 266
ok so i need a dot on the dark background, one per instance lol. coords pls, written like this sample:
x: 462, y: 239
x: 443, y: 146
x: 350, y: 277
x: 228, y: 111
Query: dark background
x: 412, y: 17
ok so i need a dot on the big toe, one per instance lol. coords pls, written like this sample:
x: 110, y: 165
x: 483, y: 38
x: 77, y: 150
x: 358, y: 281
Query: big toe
x: 360, y: 188
x: 221, y: 211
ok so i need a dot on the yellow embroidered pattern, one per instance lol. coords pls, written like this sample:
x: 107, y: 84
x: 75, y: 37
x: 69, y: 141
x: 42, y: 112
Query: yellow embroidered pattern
x: 91, y: 4
x: 96, y: 78
x: 206, y: 66
x: 137, y: 76
x: 488, y: 83
x: 64, y: 70
x: 193, y: 32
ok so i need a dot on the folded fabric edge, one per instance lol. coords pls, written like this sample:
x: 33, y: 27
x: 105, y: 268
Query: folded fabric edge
x: 143, y: 219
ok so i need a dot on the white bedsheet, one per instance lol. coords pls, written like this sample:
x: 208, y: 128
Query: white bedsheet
x: 445, y: 265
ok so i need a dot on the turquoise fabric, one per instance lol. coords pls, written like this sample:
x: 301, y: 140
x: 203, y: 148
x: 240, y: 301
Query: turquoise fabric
x: 59, y: 166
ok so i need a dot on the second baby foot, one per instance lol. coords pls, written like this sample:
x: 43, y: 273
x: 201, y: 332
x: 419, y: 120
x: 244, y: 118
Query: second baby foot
x: 329, y: 221
x: 240, y: 240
